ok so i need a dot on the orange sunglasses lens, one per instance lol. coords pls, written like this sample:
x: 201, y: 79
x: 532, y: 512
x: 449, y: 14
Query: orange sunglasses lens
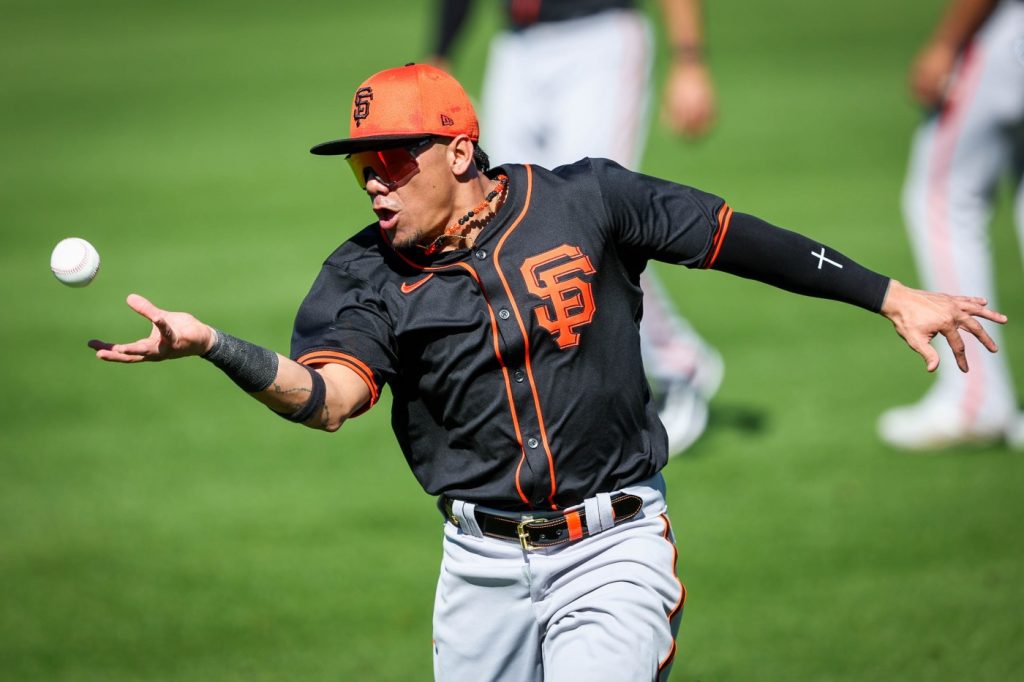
x: 391, y: 166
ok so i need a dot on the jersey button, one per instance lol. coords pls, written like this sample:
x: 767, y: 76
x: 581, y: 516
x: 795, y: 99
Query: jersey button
x: 533, y: 442
x: 518, y: 376
x: 481, y: 254
x: 504, y: 314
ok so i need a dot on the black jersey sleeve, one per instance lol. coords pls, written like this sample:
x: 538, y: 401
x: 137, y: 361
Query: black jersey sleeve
x: 343, y: 321
x: 755, y: 249
x: 674, y: 223
x: 658, y: 219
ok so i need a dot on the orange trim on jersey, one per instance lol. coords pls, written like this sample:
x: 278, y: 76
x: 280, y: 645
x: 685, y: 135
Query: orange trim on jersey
x: 526, y: 337
x: 494, y: 337
x: 575, y: 525
x: 322, y: 357
x: 504, y: 374
x: 494, y: 330
x: 674, y: 613
x: 724, y: 216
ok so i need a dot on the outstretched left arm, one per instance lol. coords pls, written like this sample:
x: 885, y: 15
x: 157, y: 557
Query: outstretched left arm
x: 750, y: 247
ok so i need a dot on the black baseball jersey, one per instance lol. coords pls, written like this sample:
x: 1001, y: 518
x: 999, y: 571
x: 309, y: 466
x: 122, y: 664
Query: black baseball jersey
x: 522, y: 13
x: 519, y: 14
x: 515, y: 367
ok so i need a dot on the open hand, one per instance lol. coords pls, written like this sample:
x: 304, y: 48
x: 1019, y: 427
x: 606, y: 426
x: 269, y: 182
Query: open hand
x: 174, y: 335
x: 919, y: 316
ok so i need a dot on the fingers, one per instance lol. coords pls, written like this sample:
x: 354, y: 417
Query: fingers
x: 959, y: 348
x: 138, y: 351
x: 165, y: 329
x: 924, y: 349
x: 976, y: 306
x: 113, y: 356
x: 990, y: 315
x: 114, y: 353
x: 974, y: 327
x: 143, y: 307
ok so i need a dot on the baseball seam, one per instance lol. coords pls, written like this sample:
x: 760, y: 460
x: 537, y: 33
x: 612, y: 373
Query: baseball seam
x: 78, y: 268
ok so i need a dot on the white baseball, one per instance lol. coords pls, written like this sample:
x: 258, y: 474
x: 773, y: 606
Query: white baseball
x: 74, y: 262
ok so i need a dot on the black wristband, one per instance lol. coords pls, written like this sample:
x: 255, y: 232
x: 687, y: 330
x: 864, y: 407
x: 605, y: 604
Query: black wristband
x: 757, y: 250
x: 317, y: 398
x: 251, y: 367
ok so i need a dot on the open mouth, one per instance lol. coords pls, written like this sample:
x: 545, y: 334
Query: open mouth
x: 387, y: 217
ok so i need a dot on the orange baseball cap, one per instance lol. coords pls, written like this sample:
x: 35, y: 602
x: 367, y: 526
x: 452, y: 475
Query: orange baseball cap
x: 405, y: 103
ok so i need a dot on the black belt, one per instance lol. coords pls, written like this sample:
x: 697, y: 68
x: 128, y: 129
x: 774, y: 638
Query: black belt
x: 537, y: 530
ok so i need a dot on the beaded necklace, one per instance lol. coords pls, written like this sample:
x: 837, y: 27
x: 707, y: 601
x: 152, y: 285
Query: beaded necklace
x: 475, y: 217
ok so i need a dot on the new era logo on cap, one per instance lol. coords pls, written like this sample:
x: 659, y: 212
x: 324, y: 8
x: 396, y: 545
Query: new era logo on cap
x: 405, y: 103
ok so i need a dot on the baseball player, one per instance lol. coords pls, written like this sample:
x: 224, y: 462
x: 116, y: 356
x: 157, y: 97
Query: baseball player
x: 572, y: 78
x: 970, y: 76
x: 502, y: 308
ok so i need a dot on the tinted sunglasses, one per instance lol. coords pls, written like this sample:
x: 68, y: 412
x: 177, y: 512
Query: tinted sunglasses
x: 390, y: 166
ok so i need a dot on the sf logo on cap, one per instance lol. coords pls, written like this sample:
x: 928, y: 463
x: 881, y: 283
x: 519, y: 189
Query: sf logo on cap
x: 362, y: 102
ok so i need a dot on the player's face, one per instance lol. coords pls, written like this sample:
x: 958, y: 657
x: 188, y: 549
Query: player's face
x: 416, y: 206
x: 389, y: 166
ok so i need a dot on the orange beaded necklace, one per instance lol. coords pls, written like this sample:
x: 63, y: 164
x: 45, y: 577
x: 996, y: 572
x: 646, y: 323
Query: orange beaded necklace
x: 475, y: 217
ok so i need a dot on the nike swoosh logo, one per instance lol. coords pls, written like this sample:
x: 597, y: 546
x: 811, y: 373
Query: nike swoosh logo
x: 409, y: 288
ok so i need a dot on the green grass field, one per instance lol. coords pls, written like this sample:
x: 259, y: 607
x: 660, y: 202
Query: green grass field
x: 157, y: 525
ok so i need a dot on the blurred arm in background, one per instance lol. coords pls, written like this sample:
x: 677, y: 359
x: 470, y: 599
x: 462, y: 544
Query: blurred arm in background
x: 320, y: 398
x: 933, y: 66
x: 688, y: 107
x: 451, y: 17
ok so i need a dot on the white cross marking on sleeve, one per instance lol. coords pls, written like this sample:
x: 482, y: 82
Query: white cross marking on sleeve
x: 822, y: 259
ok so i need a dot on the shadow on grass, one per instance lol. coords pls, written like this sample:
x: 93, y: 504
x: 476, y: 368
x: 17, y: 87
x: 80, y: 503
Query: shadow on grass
x: 738, y: 418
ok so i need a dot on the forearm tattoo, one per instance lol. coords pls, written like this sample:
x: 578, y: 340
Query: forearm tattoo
x: 316, y: 403
x: 282, y: 392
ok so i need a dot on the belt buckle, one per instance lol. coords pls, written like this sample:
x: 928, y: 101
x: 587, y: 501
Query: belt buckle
x: 449, y: 511
x: 524, y: 537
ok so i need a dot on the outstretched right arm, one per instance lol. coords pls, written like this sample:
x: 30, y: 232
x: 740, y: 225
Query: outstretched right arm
x: 321, y: 397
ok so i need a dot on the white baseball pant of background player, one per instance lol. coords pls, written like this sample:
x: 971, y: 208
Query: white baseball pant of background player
x: 956, y: 164
x: 556, y: 92
x: 584, y: 611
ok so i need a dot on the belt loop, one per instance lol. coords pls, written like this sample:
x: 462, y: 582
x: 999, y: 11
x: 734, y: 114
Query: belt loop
x: 605, y: 511
x: 465, y: 513
x: 593, y: 515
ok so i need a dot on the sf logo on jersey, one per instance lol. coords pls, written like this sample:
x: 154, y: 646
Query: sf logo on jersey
x: 555, y: 276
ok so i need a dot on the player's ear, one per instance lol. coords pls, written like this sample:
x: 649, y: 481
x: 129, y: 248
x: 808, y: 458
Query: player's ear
x: 460, y: 155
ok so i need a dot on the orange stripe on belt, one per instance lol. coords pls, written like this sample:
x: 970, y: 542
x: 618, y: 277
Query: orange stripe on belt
x: 572, y: 520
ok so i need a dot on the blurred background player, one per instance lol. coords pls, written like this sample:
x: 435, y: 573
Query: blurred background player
x: 572, y: 78
x: 970, y: 76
